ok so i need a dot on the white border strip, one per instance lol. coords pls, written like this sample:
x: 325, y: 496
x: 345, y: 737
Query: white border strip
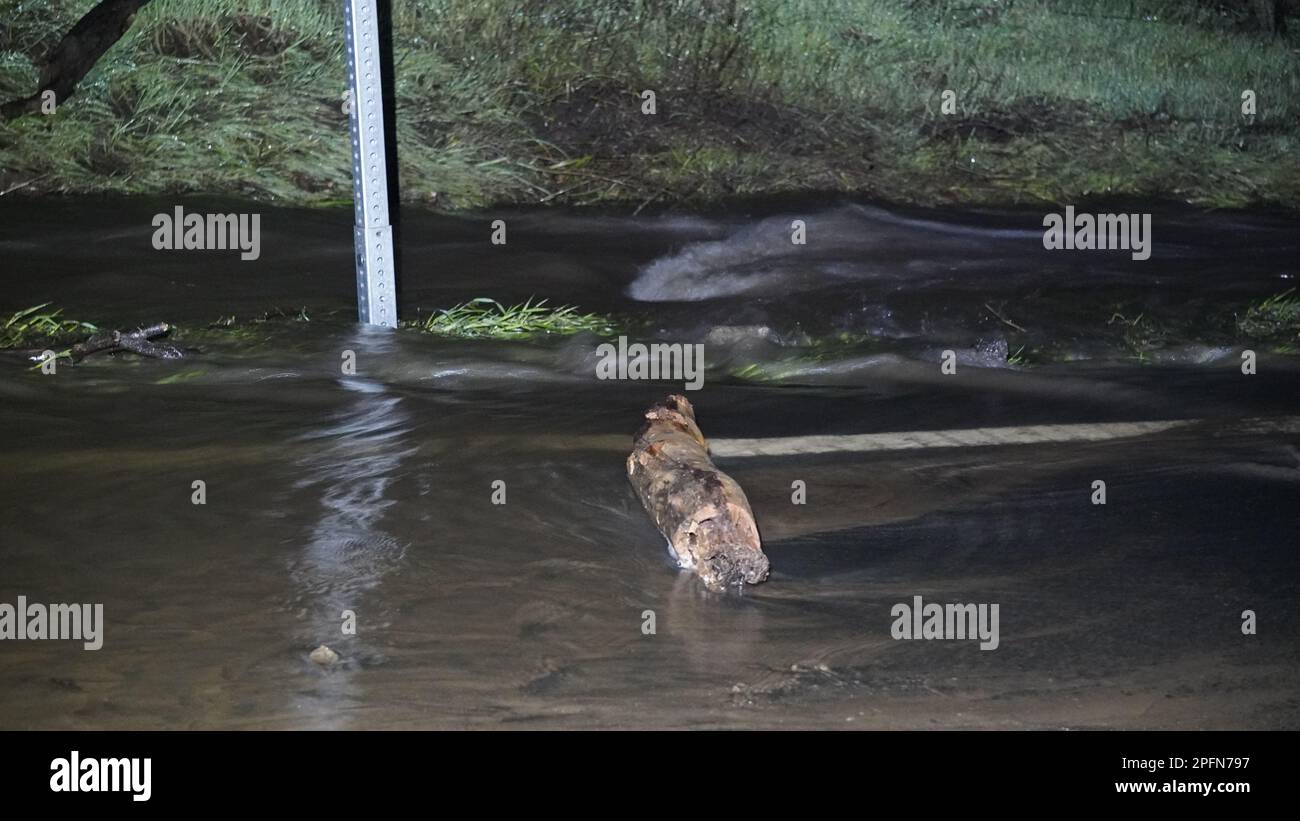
x: 978, y: 437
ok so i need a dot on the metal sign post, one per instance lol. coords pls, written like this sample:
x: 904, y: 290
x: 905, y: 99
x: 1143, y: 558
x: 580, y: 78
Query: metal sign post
x: 376, y: 289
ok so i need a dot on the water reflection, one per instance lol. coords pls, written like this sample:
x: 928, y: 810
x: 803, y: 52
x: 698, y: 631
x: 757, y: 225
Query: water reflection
x: 720, y: 635
x: 352, y: 465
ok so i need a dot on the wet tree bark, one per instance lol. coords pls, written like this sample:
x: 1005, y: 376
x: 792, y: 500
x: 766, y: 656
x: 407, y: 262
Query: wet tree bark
x: 700, y: 510
x: 76, y: 54
x: 134, y: 341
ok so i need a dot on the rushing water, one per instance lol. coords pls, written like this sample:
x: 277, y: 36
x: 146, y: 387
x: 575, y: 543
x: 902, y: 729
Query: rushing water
x: 372, y: 492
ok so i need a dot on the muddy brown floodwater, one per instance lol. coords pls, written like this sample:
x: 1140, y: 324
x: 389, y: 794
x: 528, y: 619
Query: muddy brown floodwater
x: 372, y: 493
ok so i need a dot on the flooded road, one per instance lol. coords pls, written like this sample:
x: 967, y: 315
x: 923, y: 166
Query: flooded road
x: 373, y: 493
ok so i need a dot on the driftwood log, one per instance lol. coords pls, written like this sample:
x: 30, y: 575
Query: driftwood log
x: 700, y: 510
x: 137, y: 341
x: 133, y: 341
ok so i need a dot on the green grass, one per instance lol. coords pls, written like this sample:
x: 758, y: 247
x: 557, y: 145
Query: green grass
x: 485, y: 318
x: 1273, y: 318
x: 530, y: 101
x: 36, y: 326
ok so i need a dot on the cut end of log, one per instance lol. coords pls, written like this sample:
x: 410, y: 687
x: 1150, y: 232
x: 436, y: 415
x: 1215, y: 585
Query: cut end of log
x: 724, y: 550
x: 702, y: 512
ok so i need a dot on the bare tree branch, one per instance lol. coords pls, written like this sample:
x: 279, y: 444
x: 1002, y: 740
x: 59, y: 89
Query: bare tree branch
x: 76, y: 54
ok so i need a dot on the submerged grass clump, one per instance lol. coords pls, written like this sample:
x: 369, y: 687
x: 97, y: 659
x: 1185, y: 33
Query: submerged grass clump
x: 1140, y: 335
x: 1274, y: 318
x: 485, y: 318
x: 35, y: 326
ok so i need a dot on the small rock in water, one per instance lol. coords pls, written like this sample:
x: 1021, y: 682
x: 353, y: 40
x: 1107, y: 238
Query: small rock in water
x: 324, y: 656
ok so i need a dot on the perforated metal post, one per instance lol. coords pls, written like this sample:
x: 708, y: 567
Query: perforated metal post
x: 376, y: 294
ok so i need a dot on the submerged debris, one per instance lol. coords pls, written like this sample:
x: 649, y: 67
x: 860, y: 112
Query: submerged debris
x: 485, y: 318
x: 37, y: 325
x: 37, y: 332
x: 1275, y: 318
x: 137, y: 342
x: 324, y: 656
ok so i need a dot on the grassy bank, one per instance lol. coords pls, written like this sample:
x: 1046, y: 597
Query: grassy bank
x: 524, y: 101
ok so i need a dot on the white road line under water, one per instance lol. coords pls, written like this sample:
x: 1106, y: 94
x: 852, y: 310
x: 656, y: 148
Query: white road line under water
x: 984, y: 437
